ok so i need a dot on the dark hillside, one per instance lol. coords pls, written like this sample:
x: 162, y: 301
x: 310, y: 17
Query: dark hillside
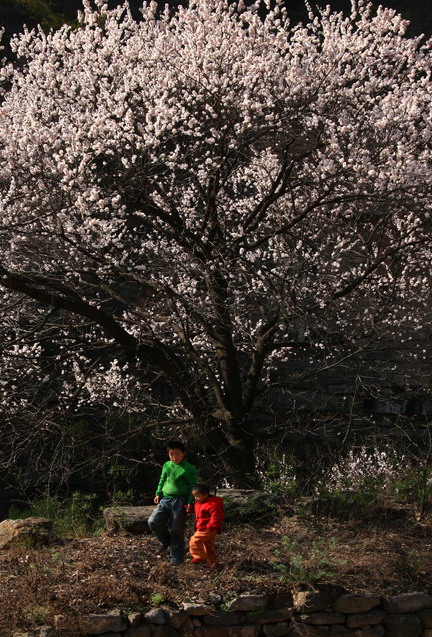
x: 15, y: 13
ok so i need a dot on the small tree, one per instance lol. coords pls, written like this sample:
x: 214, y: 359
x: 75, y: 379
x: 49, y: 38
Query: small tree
x: 207, y: 192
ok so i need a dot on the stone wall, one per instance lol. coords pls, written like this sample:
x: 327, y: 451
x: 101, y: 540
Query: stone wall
x: 319, y: 613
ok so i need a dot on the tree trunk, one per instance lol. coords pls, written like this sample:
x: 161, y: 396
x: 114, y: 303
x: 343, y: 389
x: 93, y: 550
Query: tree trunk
x: 236, y: 451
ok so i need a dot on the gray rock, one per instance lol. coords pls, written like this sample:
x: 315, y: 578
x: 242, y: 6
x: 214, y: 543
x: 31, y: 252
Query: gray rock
x: 402, y: 626
x: 156, y: 616
x: 176, y: 618
x: 229, y: 631
x: 268, y: 616
x: 372, y: 631
x: 93, y: 624
x: 302, y: 630
x: 426, y: 618
x: 249, y: 602
x: 143, y: 630
x: 214, y: 598
x: 197, y: 609
x: 406, y: 603
x: 187, y: 628
x: 32, y: 531
x: 132, y: 519
x: 276, y: 630
x: 356, y: 603
x: 164, y: 631
x: 365, y: 619
x: 224, y: 619
x: 245, y: 504
x: 242, y: 496
x: 323, y: 619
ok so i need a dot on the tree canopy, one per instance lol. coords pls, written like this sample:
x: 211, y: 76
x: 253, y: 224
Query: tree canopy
x: 189, y: 200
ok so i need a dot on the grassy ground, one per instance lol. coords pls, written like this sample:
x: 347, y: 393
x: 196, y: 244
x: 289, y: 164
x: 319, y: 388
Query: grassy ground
x: 385, y: 551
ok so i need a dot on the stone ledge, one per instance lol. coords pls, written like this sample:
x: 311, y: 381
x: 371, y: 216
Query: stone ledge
x: 132, y: 519
x: 198, y: 619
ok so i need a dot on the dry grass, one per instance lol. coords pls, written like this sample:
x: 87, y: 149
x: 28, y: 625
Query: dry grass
x: 387, y: 553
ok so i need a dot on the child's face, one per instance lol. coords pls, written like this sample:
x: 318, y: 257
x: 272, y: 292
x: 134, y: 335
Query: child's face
x: 199, y: 497
x: 176, y: 455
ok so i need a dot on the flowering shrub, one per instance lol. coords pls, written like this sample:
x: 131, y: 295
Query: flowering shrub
x: 278, y: 475
x: 366, y: 467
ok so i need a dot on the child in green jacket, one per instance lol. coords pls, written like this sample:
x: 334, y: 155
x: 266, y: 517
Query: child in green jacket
x: 173, y: 494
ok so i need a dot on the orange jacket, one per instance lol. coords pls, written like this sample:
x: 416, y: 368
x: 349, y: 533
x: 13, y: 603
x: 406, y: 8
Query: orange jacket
x: 209, y: 514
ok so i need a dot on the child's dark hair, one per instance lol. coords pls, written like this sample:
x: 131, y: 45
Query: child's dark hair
x: 176, y: 444
x: 203, y: 488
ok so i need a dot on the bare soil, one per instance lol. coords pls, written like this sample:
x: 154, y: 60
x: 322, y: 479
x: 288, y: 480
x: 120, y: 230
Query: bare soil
x: 386, y: 553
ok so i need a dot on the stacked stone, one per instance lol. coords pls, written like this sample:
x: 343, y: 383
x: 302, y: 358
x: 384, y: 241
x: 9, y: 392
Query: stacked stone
x: 347, y: 614
x: 408, y: 614
x: 247, y: 616
x: 323, y: 613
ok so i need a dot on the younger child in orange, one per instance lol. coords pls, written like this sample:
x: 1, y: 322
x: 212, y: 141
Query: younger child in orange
x: 209, y: 515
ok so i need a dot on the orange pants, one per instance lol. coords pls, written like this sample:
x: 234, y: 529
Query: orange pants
x: 202, y: 546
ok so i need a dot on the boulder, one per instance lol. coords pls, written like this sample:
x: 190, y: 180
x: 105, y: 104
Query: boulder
x: 132, y: 519
x: 156, y: 616
x: 176, y: 618
x: 164, y: 631
x: 372, y: 631
x: 143, y: 630
x: 402, y: 626
x: 247, y: 504
x: 276, y: 630
x: 249, y: 602
x: 196, y: 609
x: 33, y: 531
x: 356, y: 603
x: 323, y: 618
x: 221, y: 618
x: 187, y: 628
x: 307, y: 630
x: 93, y: 623
x: 268, y: 616
x: 407, y: 602
x: 365, y: 619
x: 426, y: 618
x: 229, y: 631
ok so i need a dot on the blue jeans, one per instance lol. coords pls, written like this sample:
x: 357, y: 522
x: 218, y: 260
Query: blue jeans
x: 168, y: 522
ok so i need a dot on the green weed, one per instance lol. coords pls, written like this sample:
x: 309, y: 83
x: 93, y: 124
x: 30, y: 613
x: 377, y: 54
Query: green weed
x: 306, y: 566
x: 157, y: 599
x: 37, y: 614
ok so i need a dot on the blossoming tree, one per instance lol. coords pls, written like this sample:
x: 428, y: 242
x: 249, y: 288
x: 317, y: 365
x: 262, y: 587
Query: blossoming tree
x: 187, y: 200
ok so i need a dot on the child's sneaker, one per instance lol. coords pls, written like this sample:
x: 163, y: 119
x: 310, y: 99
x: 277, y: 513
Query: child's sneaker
x: 196, y: 560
